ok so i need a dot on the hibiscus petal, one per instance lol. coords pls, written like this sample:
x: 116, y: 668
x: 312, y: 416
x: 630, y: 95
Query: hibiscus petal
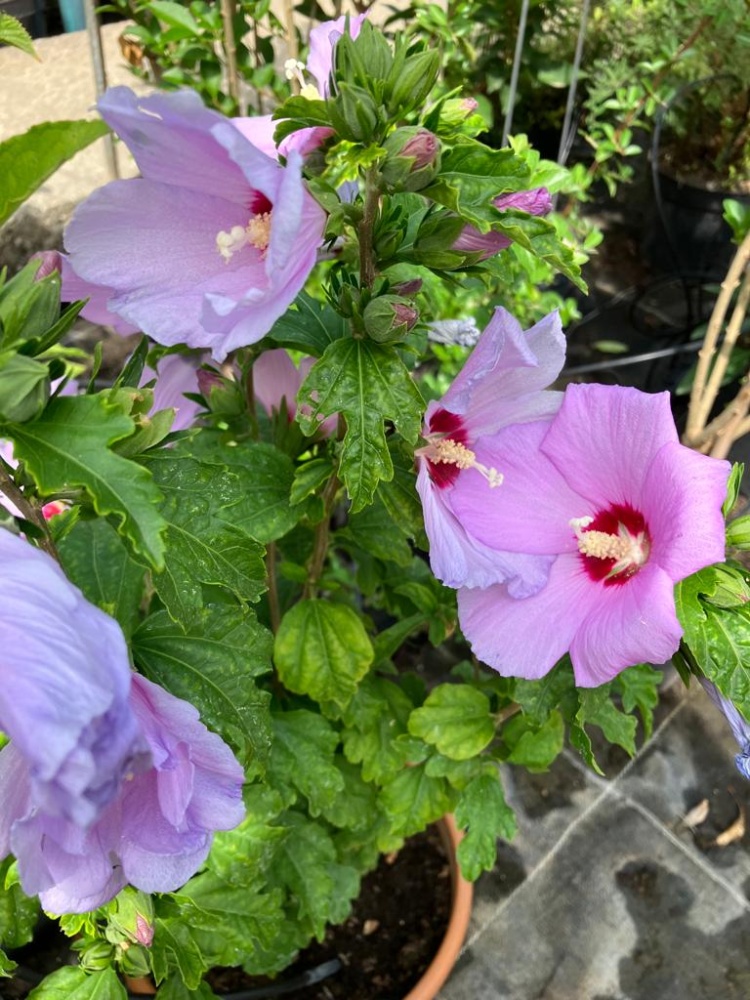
x: 96, y: 309
x: 634, y: 622
x: 461, y: 561
x: 526, y: 638
x: 506, y: 366
x: 681, y: 502
x: 532, y: 508
x: 605, y: 437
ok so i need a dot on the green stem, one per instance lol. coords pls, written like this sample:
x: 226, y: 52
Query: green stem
x: 320, y: 545
x: 28, y: 511
x: 366, y: 229
x: 274, y: 610
x: 252, y: 411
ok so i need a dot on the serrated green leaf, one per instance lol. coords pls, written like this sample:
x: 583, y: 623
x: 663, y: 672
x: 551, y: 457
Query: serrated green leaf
x: 485, y: 815
x: 374, y: 530
x: 96, y: 560
x: 322, y: 650
x: 175, y: 989
x: 456, y: 719
x: 369, y: 384
x: 12, y: 32
x: 262, y: 483
x: 242, y: 856
x: 212, y: 664
x: 72, y: 983
x: 18, y: 912
x: 532, y: 747
x: 413, y: 800
x: 639, y: 688
x: 306, y: 866
x: 204, y: 547
x: 309, y: 325
x: 376, y: 716
x: 597, y: 709
x: 7, y: 965
x: 302, y: 757
x: 355, y: 806
x: 310, y: 477
x: 26, y: 161
x: 539, y: 698
x: 539, y: 237
x: 175, y: 948
x: 175, y: 15
x: 392, y: 638
x: 69, y: 447
x: 727, y: 660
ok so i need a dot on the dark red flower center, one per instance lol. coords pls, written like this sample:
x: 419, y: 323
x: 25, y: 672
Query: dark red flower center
x: 259, y: 204
x: 447, y: 425
x: 614, y: 544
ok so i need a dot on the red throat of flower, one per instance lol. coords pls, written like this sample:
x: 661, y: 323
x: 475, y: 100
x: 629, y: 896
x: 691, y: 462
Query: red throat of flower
x: 259, y: 204
x: 447, y: 452
x: 614, y: 544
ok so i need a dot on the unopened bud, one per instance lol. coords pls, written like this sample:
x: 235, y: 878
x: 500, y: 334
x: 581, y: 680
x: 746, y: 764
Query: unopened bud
x: 731, y: 590
x: 410, y: 287
x: 738, y: 533
x: 537, y: 201
x: 413, y: 159
x: 51, y: 263
x: 132, y: 918
x: 389, y: 318
x: 206, y: 381
x: 97, y: 956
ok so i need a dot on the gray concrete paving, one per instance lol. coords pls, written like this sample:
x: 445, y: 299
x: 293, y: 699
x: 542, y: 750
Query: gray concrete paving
x: 605, y: 894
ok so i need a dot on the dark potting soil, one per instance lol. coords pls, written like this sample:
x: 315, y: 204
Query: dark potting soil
x: 395, y: 928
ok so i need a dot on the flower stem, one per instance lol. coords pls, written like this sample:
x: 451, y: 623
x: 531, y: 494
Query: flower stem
x: 274, y: 610
x: 28, y: 511
x: 320, y: 546
x: 366, y: 228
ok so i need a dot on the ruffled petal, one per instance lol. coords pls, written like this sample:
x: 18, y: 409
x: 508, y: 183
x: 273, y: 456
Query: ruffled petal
x: 604, y: 439
x: 531, y: 510
x: 459, y: 560
x: 526, y: 638
x: 96, y: 309
x: 633, y: 622
x: 681, y: 501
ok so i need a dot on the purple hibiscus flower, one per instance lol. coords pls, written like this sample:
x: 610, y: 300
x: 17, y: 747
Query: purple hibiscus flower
x: 64, y: 687
x: 323, y: 40
x: 500, y: 384
x: 154, y: 835
x: 537, y: 201
x: 626, y: 510
x: 209, y: 247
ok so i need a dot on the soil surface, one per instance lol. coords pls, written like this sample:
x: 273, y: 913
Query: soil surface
x: 396, y: 927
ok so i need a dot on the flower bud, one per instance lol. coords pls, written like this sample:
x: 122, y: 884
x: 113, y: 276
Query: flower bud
x: 413, y: 159
x: 51, y: 263
x: 537, y: 201
x: 738, y: 533
x: 206, y: 381
x: 731, y: 589
x: 223, y: 396
x: 410, y: 287
x: 389, y: 318
x: 97, y: 956
x: 133, y: 918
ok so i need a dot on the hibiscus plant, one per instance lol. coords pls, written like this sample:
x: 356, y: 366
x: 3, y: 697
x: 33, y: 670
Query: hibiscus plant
x: 220, y: 569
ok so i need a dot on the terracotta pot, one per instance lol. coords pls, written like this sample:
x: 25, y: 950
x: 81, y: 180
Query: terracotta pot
x: 463, y: 893
x: 445, y: 958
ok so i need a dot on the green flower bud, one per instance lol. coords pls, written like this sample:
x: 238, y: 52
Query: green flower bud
x: 24, y: 388
x: 389, y: 318
x: 97, y: 956
x: 731, y: 591
x: 413, y: 159
x: 132, y: 918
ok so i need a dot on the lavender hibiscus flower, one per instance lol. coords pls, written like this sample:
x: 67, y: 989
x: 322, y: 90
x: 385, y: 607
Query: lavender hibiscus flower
x: 209, y: 247
x: 65, y: 680
x: 154, y: 835
x: 536, y: 202
x: 738, y: 723
x: 500, y: 384
x: 626, y: 511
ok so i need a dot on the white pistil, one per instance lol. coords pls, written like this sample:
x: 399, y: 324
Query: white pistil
x: 447, y: 452
x: 257, y: 233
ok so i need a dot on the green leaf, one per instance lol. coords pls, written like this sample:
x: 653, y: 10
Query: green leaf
x: 262, y: 481
x: 306, y: 866
x: 211, y: 664
x: 472, y: 174
x: 310, y: 477
x: 355, y: 806
x: 175, y: 947
x: 302, y: 757
x: 485, y: 815
x: 533, y: 747
x: 12, y: 32
x: 375, y: 717
x: 72, y: 983
x: 369, y: 384
x: 26, y: 161
x: 639, y: 688
x: 18, y: 912
x: 539, y: 236
x: 68, y: 447
x: 175, y: 15
x: 597, y: 709
x: 242, y: 856
x: 7, y: 966
x: 322, y: 650
x: 456, y: 719
x: 96, y: 560
x: 539, y: 698
x: 204, y: 546
x: 309, y: 325
x: 413, y: 800
x: 175, y: 989
x: 375, y: 531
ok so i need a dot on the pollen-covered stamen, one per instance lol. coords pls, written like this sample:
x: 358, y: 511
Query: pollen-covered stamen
x: 257, y: 233
x: 448, y: 452
x: 620, y: 551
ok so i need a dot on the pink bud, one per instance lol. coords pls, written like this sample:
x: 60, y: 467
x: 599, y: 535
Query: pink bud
x: 469, y: 105
x: 536, y: 201
x: 51, y: 262
x: 404, y: 313
x: 206, y: 382
x: 424, y: 147
x: 408, y: 287
x: 144, y: 931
